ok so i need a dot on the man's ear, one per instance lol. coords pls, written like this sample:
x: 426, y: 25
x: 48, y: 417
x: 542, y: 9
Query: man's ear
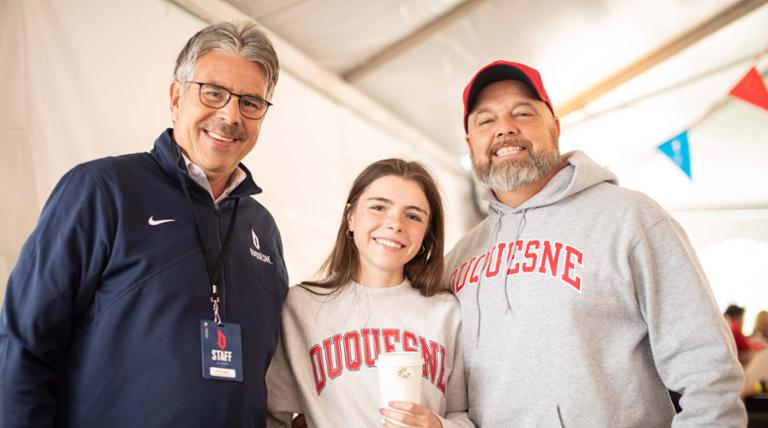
x: 175, y: 92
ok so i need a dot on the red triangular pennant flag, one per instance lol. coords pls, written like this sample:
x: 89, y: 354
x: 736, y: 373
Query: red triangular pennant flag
x: 752, y: 89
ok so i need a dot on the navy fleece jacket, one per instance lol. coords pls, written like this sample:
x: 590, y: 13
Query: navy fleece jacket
x: 101, y: 321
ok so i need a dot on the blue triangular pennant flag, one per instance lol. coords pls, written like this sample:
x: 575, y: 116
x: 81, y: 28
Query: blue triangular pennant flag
x: 677, y: 150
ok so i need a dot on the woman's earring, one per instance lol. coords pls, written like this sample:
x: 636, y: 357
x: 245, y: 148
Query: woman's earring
x: 421, y: 250
x: 350, y: 234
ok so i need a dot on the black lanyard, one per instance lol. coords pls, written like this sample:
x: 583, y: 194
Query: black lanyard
x: 214, y: 271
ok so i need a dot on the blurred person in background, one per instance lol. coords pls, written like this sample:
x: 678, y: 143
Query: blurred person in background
x: 734, y: 315
x: 759, y: 335
x: 756, y: 375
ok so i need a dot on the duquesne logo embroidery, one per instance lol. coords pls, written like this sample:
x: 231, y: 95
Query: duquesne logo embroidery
x: 255, y: 251
x: 153, y: 222
x: 255, y: 240
x: 351, y: 351
x: 543, y: 257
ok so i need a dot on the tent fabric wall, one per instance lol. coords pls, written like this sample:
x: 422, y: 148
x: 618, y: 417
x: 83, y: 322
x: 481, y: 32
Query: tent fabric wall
x: 82, y: 86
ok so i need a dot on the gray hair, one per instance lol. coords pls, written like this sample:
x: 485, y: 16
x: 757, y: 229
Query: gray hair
x: 245, y: 39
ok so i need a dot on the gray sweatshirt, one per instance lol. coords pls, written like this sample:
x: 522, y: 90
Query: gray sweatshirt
x: 324, y: 364
x: 581, y: 307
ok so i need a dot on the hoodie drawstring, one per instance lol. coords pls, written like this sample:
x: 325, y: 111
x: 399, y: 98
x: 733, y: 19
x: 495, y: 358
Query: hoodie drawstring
x: 520, y: 229
x: 494, y: 239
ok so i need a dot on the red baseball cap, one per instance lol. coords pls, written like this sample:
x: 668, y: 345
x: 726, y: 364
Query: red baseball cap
x: 503, y: 70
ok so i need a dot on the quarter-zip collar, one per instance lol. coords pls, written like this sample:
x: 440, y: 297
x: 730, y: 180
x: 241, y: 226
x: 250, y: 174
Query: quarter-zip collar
x: 166, y: 155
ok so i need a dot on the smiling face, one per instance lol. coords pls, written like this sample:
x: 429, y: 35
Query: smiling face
x: 388, y: 223
x: 512, y: 136
x: 217, y: 139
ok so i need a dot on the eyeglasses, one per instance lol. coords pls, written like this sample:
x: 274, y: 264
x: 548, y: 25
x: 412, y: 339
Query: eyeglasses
x: 214, y: 96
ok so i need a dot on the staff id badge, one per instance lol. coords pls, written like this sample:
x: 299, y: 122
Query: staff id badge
x: 222, y: 351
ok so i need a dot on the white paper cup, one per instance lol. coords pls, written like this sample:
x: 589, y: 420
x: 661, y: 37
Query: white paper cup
x: 400, y: 377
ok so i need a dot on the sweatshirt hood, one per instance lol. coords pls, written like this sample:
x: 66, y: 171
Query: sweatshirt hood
x: 579, y: 173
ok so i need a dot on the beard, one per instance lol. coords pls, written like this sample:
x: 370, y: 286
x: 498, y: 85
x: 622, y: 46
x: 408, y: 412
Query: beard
x: 511, y: 174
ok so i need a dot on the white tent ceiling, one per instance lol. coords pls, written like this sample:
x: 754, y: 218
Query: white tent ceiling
x: 624, y: 75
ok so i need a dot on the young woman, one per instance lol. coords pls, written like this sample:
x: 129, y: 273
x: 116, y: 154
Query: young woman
x: 380, y: 292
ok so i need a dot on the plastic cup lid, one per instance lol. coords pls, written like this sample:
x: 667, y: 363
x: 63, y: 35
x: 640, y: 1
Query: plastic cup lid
x: 398, y: 359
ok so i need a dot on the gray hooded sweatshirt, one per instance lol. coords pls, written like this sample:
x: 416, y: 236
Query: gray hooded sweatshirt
x: 581, y: 307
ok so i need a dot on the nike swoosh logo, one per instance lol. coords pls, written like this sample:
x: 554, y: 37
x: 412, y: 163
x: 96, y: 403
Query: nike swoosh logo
x: 153, y: 222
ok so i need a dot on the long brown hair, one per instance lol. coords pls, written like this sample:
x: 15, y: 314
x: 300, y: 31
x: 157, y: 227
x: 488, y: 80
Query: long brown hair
x: 761, y: 324
x: 425, y: 269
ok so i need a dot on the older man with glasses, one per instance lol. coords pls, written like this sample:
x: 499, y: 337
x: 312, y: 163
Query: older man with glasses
x: 150, y: 291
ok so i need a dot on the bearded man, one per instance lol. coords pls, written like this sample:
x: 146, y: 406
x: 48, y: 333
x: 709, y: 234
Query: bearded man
x: 583, y: 303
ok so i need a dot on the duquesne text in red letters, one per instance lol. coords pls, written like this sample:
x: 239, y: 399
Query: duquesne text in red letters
x: 544, y: 257
x: 355, y: 349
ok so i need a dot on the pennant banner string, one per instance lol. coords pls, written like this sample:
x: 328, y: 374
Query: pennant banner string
x: 752, y: 58
x: 750, y: 88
